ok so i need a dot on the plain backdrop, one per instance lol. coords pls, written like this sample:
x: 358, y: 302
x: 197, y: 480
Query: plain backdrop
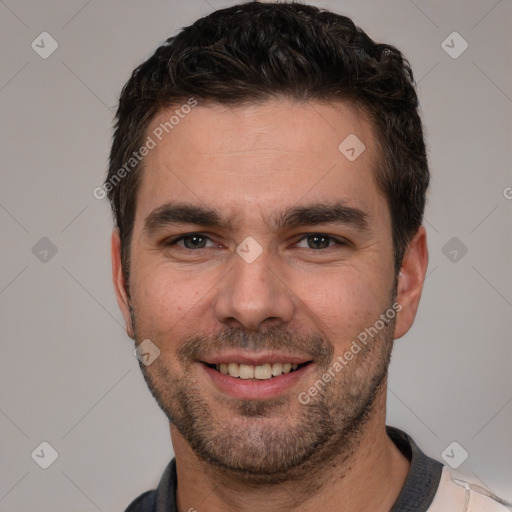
x: 68, y: 375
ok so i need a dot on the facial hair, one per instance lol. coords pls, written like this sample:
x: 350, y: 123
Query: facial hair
x: 279, y: 439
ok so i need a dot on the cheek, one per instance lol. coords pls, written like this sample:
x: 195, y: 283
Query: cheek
x: 162, y: 303
x: 344, y: 300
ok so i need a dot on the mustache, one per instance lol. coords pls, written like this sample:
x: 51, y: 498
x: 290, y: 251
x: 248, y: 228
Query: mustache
x: 275, y: 338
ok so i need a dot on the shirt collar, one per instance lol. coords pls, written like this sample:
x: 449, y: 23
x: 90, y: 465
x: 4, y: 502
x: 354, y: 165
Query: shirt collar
x: 416, y: 495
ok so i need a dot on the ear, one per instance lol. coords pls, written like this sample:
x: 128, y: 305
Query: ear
x: 410, y: 281
x: 119, y: 283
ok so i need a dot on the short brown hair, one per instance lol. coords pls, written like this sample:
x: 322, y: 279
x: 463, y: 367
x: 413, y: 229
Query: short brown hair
x: 254, y: 51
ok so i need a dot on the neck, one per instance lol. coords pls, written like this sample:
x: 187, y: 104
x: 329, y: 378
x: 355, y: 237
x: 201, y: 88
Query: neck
x: 368, y: 476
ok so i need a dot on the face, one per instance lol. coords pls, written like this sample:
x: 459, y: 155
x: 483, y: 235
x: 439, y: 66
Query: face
x: 260, y: 256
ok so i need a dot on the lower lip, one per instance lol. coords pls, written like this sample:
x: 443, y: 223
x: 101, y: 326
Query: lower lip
x: 254, y: 389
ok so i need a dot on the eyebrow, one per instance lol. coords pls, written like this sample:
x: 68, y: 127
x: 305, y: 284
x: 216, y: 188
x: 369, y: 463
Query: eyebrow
x: 309, y: 215
x: 322, y: 213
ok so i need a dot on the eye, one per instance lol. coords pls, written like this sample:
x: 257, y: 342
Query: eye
x: 319, y: 241
x: 191, y: 241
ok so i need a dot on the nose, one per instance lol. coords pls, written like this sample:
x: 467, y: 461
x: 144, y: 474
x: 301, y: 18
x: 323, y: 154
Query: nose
x: 254, y: 295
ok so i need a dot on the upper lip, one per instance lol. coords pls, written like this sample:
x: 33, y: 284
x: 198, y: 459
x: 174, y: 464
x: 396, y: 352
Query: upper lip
x: 254, y: 359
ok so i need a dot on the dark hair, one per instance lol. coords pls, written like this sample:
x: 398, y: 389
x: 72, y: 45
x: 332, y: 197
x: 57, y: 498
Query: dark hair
x: 254, y: 51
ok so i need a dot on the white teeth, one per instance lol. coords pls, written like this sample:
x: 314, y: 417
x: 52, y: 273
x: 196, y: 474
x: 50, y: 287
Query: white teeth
x: 234, y: 369
x: 262, y: 372
x: 277, y: 369
x: 246, y: 371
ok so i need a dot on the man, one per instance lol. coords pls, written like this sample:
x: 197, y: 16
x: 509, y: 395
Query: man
x: 268, y: 177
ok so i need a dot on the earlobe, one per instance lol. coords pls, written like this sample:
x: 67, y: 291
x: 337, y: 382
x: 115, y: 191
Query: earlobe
x: 123, y: 299
x: 410, y: 281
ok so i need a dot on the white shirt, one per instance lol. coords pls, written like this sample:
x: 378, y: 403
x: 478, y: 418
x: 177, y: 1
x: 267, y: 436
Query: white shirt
x: 455, y: 494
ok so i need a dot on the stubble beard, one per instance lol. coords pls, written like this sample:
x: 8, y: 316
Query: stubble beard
x: 255, y: 441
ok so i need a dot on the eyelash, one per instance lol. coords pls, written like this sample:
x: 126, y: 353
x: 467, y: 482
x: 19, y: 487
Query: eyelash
x: 174, y: 241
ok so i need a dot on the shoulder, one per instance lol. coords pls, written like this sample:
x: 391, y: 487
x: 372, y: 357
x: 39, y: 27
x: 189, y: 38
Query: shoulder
x: 162, y: 498
x: 456, y: 492
x: 144, y: 503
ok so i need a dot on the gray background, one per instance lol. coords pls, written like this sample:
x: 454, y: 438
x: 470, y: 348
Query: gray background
x: 68, y: 375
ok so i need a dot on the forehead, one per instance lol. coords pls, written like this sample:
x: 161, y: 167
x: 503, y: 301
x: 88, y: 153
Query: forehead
x: 260, y: 157
x: 275, y: 124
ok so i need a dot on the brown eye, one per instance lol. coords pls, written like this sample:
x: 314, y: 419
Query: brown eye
x: 191, y: 241
x: 194, y: 242
x: 318, y: 241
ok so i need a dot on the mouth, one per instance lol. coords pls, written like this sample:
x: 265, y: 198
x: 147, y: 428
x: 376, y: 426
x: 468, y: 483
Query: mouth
x: 268, y: 377
x: 265, y: 371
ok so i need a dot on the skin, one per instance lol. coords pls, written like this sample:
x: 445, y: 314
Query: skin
x: 251, y: 163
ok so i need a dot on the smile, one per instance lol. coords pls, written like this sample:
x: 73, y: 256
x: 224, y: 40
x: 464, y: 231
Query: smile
x: 256, y: 381
x: 263, y: 371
